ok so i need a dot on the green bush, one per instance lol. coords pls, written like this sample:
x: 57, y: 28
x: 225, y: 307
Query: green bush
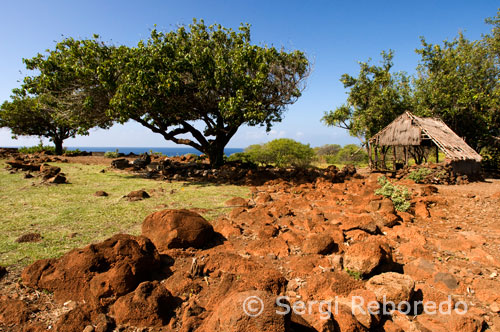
x: 283, y: 152
x: 70, y: 153
x: 399, y: 195
x: 112, y: 154
x: 328, y: 150
x: 351, y: 154
x: 48, y: 149
x: 419, y: 174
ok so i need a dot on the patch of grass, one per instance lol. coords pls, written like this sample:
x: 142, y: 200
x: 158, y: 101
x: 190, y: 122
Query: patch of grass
x: 399, y: 195
x: 69, y: 215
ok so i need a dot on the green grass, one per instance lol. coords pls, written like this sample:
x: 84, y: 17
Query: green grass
x: 58, y: 211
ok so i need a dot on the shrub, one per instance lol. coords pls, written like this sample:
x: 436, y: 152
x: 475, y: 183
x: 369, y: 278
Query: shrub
x: 328, y: 150
x: 38, y: 149
x: 112, y: 154
x: 399, y: 195
x: 281, y: 152
x: 351, y: 154
x: 419, y: 174
x: 70, y: 153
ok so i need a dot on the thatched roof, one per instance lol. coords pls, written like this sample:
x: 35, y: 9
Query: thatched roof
x: 408, y: 129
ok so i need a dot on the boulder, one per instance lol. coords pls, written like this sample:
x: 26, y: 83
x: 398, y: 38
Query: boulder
x: 137, y: 195
x: 149, y: 305
x: 237, y: 201
x: 250, y: 311
x: 177, y: 229
x: 365, y: 257
x: 120, y: 163
x: 3, y: 271
x: 48, y: 171
x: 322, y: 244
x: 97, y: 273
x: 392, y: 286
x: 101, y: 193
x: 58, y: 179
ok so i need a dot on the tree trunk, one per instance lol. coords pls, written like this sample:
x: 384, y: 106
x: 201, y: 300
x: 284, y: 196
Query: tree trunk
x: 59, y: 146
x: 216, y: 155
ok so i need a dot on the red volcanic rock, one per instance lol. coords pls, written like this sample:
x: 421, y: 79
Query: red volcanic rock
x: 149, y: 305
x: 392, y: 286
x: 365, y: 257
x: 177, y: 229
x: 322, y: 244
x: 230, y: 315
x: 98, y: 272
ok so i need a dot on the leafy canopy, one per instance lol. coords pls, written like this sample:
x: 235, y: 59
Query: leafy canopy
x: 206, y: 81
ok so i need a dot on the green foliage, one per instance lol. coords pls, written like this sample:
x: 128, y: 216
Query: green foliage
x: 156, y: 154
x: 458, y: 81
x: 208, y: 74
x: 70, y: 153
x: 419, y: 174
x: 47, y: 149
x: 112, y: 154
x: 240, y: 157
x: 328, y: 150
x: 282, y: 152
x: 376, y: 97
x: 357, y: 275
x: 398, y: 194
x: 351, y: 154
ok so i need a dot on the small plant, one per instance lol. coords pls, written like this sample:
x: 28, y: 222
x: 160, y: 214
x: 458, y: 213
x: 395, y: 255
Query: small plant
x: 156, y: 154
x: 112, y: 154
x: 354, y: 274
x: 419, y: 174
x: 399, y: 195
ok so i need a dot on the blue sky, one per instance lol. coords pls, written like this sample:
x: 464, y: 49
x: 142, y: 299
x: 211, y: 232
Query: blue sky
x: 334, y: 35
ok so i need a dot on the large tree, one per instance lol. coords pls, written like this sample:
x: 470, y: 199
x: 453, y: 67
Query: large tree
x: 375, y: 98
x: 458, y: 81
x: 198, y: 85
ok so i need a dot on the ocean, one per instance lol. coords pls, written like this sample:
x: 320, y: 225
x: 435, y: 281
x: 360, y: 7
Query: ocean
x: 171, y: 152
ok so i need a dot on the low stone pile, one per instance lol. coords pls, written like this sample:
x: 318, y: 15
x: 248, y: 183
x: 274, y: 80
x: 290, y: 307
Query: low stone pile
x: 441, y: 173
x: 185, y: 169
x: 48, y: 173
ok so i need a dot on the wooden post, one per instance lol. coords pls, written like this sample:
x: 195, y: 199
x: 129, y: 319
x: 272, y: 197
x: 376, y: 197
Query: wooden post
x: 406, y: 155
x: 370, y: 162
x: 394, y: 158
x: 437, y: 154
x: 376, y: 156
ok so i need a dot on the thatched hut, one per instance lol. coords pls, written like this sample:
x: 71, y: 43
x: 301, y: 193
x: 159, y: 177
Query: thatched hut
x: 410, y: 135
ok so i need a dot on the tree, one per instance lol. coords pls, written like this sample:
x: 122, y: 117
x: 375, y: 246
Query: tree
x: 64, y: 98
x: 206, y: 82
x: 280, y: 152
x: 328, y: 149
x: 458, y: 81
x: 376, y: 97
x: 26, y: 116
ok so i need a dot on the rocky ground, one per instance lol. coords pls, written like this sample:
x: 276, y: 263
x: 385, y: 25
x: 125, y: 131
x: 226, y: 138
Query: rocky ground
x: 312, y: 241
